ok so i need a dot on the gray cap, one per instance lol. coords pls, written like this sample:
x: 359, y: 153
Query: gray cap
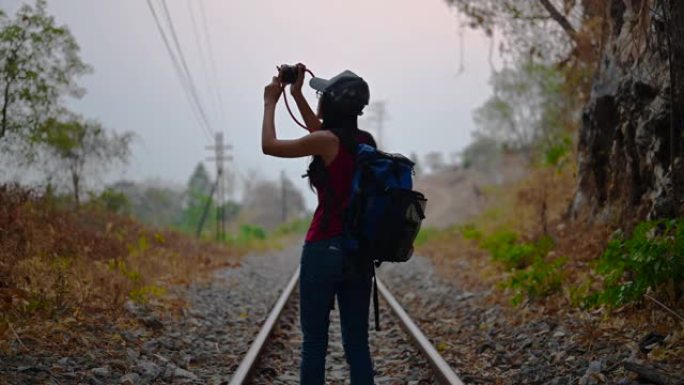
x: 347, y: 90
x: 320, y: 84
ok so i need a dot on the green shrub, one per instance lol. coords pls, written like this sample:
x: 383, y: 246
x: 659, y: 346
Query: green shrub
x: 250, y: 236
x: 251, y: 232
x: 425, y: 235
x: 145, y: 293
x: 532, y: 274
x: 471, y: 232
x: 110, y: 200
x: 652, y: 257
x: 556, y: 154
x: 125, y: 270
x: 297, y: 226
x: 504, y: 247
x: 538, y: 280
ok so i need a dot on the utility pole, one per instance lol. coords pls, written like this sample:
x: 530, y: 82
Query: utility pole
x: 379, y: 116
x: 220, y: 157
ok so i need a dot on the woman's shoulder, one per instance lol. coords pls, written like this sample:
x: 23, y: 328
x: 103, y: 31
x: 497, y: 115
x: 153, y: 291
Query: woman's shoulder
x: 324, y: 135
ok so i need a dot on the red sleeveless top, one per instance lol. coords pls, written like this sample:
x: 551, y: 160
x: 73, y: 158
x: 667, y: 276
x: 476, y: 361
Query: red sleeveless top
x: 340, y: 172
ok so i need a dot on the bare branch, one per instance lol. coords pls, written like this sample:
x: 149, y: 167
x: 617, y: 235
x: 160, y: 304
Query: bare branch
x: 560, y: 19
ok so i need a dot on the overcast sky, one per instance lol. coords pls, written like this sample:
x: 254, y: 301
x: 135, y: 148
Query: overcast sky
x: 407, y: 50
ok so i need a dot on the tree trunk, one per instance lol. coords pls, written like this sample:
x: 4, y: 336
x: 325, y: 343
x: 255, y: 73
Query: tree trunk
x: 75, y: 182
x: 5, y: 106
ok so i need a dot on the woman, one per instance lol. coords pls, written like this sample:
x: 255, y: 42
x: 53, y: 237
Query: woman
x: 326, y: 272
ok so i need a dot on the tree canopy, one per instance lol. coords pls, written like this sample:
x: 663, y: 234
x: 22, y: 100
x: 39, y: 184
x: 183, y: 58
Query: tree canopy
x: 78, y: 147
x: 39, y: 65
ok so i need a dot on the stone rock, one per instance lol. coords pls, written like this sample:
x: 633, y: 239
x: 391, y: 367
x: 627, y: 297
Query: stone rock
x: 152, y: 322
x: 219, y: 380
x: 627, y: 165
x: 100, y: 372
x: 133, y: 308
x: 180, y: 373
x: 593, y: 374
x: 132, y: 354
x: 410, y: 296
x: 130, y: 379
x: 148, y: 369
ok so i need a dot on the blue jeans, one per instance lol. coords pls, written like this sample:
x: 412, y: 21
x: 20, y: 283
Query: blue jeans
x: 325, y: 272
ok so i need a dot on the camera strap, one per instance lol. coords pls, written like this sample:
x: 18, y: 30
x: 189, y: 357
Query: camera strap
x: 288, y: 104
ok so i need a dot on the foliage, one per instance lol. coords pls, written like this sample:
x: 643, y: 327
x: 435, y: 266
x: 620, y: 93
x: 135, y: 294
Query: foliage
x: 296, y: 227
x: 250, y: 232
x: 155, y: 204
x: 538, y: 280
x: 121, y: 267
x: 59, y: 262
x: 79, y: 147
x: 199, y: 183
x: 197, y: 196
x: 145, y: 293
x: 505, y: 247
x: 425, y: 234
x: 483, y: 153
x: 651, y: 258
x: 471, y: 232
x: 39, y: 63
x: 110, y: 200
x: 539, y: 29
x: 532, y: 272
x: 557, y: 152
x: 516, y: 115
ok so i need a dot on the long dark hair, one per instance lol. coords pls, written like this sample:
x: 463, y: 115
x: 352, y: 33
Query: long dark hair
x: 345, y: 125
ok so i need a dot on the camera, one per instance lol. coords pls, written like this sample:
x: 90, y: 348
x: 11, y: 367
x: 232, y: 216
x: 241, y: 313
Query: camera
x: 288, y: 74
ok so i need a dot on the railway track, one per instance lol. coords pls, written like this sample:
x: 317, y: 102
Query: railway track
x: 279, y: 350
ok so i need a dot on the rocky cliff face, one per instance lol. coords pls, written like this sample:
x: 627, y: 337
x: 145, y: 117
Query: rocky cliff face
x: 630, y: 142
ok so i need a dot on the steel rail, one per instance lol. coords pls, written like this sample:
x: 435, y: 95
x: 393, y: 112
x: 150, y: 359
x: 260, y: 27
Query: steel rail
x: 243, y: 371
x: 443, y: 371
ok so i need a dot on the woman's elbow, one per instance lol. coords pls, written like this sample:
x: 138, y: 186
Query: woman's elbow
x: 267, y: 148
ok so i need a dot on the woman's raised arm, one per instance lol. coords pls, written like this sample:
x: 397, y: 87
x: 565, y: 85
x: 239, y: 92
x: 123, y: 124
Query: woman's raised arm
x: 311, y: 121
x: 322, y: 143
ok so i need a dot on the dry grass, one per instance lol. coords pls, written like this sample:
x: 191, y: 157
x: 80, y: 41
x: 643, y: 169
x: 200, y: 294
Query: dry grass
x: 534, y: 206
x: 542, y: 197
x: 518, y: 207
x: 62, y: 268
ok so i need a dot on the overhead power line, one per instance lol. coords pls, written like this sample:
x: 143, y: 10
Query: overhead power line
x: 181, y: 68
x: 193, y: 88
x: 211, y: 83
x: 212, y: 61
x: 177, y: 68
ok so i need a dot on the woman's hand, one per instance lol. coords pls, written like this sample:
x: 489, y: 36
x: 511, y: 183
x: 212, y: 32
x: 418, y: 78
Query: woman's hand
x: 272, y: 92
x: 296, y: 87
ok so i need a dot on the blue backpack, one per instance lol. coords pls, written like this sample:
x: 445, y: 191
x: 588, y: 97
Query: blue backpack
x: 384, y: 213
